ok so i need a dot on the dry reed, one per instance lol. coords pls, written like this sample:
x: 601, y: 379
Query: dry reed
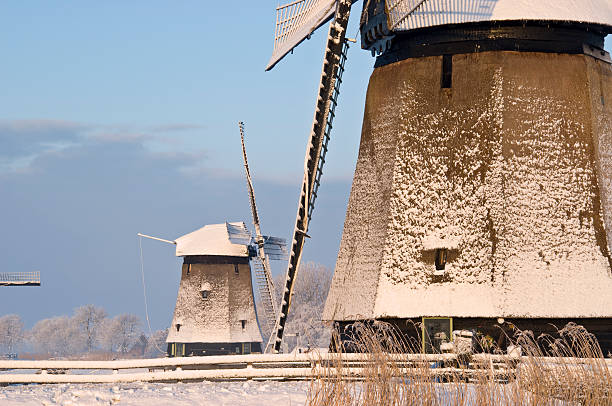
x: 568, y: 369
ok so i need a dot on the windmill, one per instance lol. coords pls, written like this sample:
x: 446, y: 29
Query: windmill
x: 266, y: 247
x: 215, y: 308
x: 451, y: 109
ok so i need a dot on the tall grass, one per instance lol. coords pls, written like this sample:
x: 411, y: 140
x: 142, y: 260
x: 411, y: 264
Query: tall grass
x: 566, y: 369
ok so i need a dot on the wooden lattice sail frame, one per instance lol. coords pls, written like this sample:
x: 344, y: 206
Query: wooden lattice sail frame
x: 19, y: 278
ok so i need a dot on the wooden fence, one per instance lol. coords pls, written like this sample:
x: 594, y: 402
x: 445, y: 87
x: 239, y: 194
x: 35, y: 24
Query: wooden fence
x: 256, y: 366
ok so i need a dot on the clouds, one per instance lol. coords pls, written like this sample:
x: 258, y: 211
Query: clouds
x: 24, y: 143
x: 23, y: 140
x: 74, y: 211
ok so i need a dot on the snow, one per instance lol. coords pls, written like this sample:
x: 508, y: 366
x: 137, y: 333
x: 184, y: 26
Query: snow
x: 439, y: 12
x: 509, y: 171
x: 247, y: 393
x: 217, y: 318
x: 212, y: 239
x: 443, y: 238
x: 531, y: 201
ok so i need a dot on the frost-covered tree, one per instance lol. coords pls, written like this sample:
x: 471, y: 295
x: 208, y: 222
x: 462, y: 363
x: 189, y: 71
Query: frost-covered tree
x: 309, y: 295
x: 11, y: 333
x: 156, y: 346
x: 88, y: 319
x: 121, y: 332
x: 57, y: 336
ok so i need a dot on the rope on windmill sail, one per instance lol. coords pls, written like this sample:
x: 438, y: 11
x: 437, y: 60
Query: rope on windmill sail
x: 144, y: 292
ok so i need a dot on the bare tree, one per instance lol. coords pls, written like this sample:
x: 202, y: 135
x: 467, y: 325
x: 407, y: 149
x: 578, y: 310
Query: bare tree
x: 156, y: 347
x: 121, y: 332
x: 88, y: 319
x: 304, y: 325
x: 57, y: 336
x: 11, y: 333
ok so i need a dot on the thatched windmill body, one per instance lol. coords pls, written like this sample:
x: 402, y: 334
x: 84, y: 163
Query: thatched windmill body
x: 483, y: 187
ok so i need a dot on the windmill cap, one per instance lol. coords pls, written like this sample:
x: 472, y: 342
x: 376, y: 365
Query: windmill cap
x: 431, y: 13
x: 212, y: 239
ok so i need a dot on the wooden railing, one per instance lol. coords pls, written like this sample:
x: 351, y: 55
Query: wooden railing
x: 257, y: 366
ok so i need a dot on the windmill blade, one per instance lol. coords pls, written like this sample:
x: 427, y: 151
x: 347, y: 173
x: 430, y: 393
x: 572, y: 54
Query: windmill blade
x: 261, y: 263
x: 250, y: 188
x: 238, y: 233
x: 267, y: 298
x: 328, y: 92
x: 411, y: 14
x: 20, y: 278
x: 276, y: 248
x: 295, y: 22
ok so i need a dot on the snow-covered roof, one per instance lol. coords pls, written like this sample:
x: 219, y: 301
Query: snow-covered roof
x: 212, y: 239
x: 412, y: 14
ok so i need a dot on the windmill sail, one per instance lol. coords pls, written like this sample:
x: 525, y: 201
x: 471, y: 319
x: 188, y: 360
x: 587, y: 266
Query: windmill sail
x: 238, y: 233
x: 331, y: 77
x: 264, y: 244
x: 20, y: 279
x: 276, y: 248
x: 295, y: 22
x: 410, y: 14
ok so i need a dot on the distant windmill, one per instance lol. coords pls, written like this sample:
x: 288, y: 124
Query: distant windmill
x: 483, y: 118
x: 19, y: 278
x: 215, y: 307
x: 267, y: 247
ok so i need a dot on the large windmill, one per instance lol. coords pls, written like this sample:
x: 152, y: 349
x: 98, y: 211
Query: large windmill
x: 482, y: 191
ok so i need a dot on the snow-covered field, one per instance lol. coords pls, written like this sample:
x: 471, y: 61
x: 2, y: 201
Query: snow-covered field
x: 249, y: 393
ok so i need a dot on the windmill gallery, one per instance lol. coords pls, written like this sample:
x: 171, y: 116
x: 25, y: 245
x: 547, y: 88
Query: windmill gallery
x: 482, y: 195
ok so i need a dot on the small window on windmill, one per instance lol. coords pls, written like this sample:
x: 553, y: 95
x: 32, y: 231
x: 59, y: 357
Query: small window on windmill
x: 441, y: 255
x: 236, y: 271
x: 243, y: 324
x: 440, y: 247
x: 447, y: 72
x: 205, y: 290
x: 178, y: 326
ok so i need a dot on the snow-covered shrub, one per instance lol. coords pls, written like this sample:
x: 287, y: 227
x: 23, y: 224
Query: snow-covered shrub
x: 309, y: 295
x: 88, y: 319
x: 11, y: 333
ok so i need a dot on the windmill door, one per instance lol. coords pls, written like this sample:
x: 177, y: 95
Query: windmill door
x: 435, y: 331
x: 246, y: 348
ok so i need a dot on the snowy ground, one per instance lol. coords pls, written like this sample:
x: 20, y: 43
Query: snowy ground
x: 157, y: 394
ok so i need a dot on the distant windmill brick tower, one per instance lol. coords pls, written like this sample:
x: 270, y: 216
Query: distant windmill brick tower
x: 483, y: 189
x: 215, y: 306
x: 215, y: 310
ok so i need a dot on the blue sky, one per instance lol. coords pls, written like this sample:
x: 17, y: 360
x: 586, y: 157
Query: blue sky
x: 121, y: 117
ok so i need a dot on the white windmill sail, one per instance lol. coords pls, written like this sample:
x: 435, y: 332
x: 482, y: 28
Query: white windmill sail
x: 411, y: 14
x: 238, y: 233
x: 406, y: 15
x: 19, y: 278
x: 289, y: 33
x: 276, y: 248
x: 295, y: 22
